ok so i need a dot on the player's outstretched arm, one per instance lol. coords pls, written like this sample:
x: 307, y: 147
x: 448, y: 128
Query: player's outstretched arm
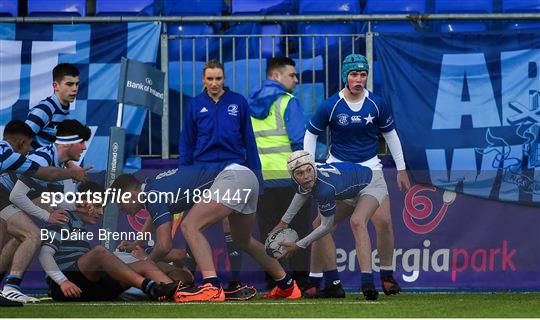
x: 56, y: 174
x: 19, y: 197
x: 46, y: 259
x: 296, y: 204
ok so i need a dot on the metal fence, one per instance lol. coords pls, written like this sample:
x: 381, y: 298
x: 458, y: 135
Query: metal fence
x: 246, y: 72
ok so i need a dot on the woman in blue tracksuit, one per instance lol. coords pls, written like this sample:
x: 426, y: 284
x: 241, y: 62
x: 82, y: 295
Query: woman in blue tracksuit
x: 217, y: 125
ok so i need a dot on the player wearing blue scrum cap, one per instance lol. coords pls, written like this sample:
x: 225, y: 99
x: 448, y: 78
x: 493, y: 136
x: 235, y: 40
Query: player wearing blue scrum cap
x: 355, y: 117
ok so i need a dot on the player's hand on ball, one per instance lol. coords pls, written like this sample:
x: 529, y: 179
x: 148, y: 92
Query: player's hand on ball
x: 279, y: 226
x: 273, y: 243
x: 287, y: 249
x: 70, y: 290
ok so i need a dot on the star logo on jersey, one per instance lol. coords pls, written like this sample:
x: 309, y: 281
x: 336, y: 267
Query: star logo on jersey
x: 343, y: 119
x: 369, y: 119
x: 203, y: 110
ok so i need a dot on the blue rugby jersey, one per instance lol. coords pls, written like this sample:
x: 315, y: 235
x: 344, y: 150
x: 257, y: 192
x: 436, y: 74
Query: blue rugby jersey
x: 182, y: 183
x: 11, y: 164
x: 46, y: 157
x: 43, y: 119
x: 42, y: 157
x: 354, y: 135
x: 69, y: 250
x: 337, y: 181
x: 218, y: 132
x: 12, y: 161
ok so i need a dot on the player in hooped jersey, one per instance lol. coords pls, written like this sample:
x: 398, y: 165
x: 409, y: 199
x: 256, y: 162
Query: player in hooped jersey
x: 13, y: 148
x: 355, y: 117
x: 20, y: 200
x: 44, y: 117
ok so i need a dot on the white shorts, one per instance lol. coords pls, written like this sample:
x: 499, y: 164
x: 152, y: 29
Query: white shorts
x: 126, y: 257
x: 236, y: 187
x: 8, y: 212
x: 376, y: 188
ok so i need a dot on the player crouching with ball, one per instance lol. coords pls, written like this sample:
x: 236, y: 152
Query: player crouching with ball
x: 329, y: 183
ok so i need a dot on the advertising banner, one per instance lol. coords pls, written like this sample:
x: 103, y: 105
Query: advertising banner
x: 29, y: 52
x: 467, y: 110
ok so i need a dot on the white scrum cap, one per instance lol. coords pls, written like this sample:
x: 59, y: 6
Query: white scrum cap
x: 298, y: 159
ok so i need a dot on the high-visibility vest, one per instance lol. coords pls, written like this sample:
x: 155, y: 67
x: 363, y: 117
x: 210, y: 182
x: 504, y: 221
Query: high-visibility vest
x: 272, y: 140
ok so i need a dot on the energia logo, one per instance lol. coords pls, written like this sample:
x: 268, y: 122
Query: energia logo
x: 418, y: 209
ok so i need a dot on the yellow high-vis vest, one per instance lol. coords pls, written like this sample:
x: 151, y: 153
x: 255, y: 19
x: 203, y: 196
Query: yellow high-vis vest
x: 272, y: 140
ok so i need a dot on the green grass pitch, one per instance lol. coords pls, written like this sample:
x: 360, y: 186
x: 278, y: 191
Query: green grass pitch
x: 418, y: 305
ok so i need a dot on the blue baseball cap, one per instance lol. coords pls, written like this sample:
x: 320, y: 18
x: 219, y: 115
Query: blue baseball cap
x: 353, y: 62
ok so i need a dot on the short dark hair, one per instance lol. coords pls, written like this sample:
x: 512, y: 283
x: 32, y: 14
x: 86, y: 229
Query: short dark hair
x: 71, y: 127
x: 125, y: 182
x: 213, y: 64
x: 276, y: 63
x: 64, y: 69
x: 18, y: 127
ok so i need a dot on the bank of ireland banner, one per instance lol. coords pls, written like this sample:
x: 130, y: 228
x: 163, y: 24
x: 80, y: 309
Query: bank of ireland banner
x: 28, y: 52
x: 467, y: 110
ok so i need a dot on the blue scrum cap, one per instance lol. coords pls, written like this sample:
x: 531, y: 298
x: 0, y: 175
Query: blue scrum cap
x: 353, y: 62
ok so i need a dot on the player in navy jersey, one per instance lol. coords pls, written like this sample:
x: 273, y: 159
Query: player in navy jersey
x: 339, y: 189
x: 355, y: 117
x: 214, y: 191
x: 48, y: 113
x: 217, y: 128
x: 77, y: 272
x: 21, y: 200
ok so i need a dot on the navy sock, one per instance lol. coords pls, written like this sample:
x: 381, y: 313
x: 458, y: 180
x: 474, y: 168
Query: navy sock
x: 215, y: 281
x: 331, y: 277
x: 285, y: 283
x: 2, y: 275
x: 315, y: 279
x: 366, y: 277
x: 147, y: 285
x: 235, y: 257
x: 14, y: 281
x: 386, y: 274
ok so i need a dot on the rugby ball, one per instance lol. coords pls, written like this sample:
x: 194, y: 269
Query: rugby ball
x: 273, y: 249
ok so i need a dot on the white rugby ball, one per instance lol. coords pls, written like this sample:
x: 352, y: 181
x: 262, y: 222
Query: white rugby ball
x: 273, y: 249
